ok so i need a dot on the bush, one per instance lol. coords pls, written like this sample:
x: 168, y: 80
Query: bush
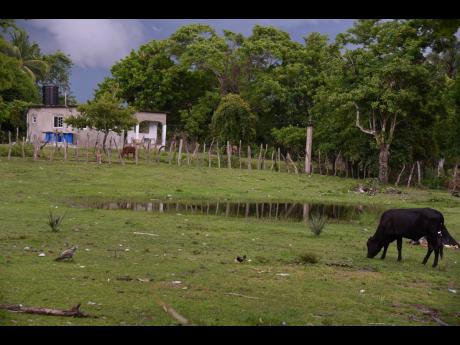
x: 16, y: 150
x: 55, y: 221
x: 308, y: 258
x: 436, y: 182
x: 317, y: 224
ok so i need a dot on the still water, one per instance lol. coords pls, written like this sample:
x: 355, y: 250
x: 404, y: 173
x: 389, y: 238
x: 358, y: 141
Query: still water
x: 287, y: 211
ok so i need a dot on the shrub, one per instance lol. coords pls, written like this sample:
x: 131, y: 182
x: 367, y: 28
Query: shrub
x: 308, y: 258
x: 16, y: 150
x: 317, y: 224
x: 436, y: 182
x: 55, y: 221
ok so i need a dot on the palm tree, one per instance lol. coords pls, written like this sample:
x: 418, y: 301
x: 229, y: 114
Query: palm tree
x: 28, y: 54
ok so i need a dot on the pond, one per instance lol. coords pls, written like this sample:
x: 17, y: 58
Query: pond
x: 285, y: 211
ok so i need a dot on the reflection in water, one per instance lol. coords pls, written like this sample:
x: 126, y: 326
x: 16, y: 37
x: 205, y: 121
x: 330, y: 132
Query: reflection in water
x: 270, y: 211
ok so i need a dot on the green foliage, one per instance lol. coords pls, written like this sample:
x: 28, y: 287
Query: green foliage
x: 196, y: 120
x: 58, y: 74
x: 104, y: 114
x: 28, y: 54
x: 316, y: 224
x: 55, y: 221
x: 233, y: 120
x: 290, y: 138
x: 16, y: 149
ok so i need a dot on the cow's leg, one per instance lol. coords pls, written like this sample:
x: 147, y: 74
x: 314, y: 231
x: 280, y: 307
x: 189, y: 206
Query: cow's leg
x: 399, y: 245
x: 436, y: 255
x: 430, y: 250
x: 385, y: 247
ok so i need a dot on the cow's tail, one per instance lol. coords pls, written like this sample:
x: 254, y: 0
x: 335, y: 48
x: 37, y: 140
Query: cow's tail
x: 447, y: 238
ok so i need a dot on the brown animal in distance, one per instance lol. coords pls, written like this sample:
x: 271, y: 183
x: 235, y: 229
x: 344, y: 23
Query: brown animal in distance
x: 127, y: 150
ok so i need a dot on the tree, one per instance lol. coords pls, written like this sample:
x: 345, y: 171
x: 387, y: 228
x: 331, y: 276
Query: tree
x: 17, y: 91
x: 233, y: 120
x: 58, y: 74
x: 105, y: 114
x: 28, y: 54
x: 385, y: 79
x: 150, y: 79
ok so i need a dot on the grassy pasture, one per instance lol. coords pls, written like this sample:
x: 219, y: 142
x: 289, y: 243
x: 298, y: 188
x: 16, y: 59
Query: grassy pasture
x: 342, y: 288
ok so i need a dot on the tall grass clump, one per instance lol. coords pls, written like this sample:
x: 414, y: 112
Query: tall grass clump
x: 317, y: 224
x: 55, y: 221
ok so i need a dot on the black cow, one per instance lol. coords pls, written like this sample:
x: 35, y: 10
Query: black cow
x: 412, y: 223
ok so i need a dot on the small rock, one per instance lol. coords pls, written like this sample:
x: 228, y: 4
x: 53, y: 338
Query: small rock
x: 127, y: 250
x: 82, y: 266
x: 282, y: 274
x: 26, y: 248
x: 42, y: 254
x: 362, y: 291
x: 176, y: 282
x: 87, y: 249
x: 91, y: 303
x: 452, y: 290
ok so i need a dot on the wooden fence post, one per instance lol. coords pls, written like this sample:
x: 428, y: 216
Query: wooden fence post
x: 170, y: 151
x: 65, y: 149
x: 204, y: 153
x: 218, y: 155
x: 288, y: 156
x: 195, y: 151
x: 419, y: 174
x: 209, y: 153
x: 273, y: 164
x: 229, y: 155
x: 179, y: 157
x: 9, y: 145
x: 120, y: 156
x: 410, y: 176
x: 23, y: 152
x: 239, y: 154
x: 17, y: 134
x: 87, y: 147
x: 98, y: 155
x: 399, y: 176
x: 109, y: 152
x: 36, y: 146
x: 76, y: 150
x: 263, y: 158
x: 279, y: 159
x: 136, y: 152
x: 260, y: 157
x: 249, y: 158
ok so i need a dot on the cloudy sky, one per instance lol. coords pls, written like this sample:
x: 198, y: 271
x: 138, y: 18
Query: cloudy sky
x: 96, y: 44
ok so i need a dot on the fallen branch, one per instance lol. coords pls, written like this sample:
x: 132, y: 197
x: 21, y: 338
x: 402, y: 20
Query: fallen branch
x: 182, y: 320
x: 144, y: 233
x: 19, y: 308
x: 237, y: 294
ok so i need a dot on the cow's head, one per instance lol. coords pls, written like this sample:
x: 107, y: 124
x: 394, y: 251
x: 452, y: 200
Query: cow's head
x: 373, y: 247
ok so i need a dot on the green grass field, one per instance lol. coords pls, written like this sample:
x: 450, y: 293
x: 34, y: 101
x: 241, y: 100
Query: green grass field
x: 342, y: 288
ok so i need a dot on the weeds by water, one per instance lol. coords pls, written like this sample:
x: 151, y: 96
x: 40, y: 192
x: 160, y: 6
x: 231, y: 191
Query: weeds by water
x: 317, y: 224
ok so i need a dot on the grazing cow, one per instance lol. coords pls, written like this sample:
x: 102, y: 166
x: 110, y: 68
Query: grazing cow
x: 412, y: 223
x: 127, y: 150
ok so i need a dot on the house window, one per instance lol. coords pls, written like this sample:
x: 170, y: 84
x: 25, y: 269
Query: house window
x: 58, y: 121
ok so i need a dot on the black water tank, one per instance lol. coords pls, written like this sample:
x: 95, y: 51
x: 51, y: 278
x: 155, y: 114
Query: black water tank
x: 50, y: 95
